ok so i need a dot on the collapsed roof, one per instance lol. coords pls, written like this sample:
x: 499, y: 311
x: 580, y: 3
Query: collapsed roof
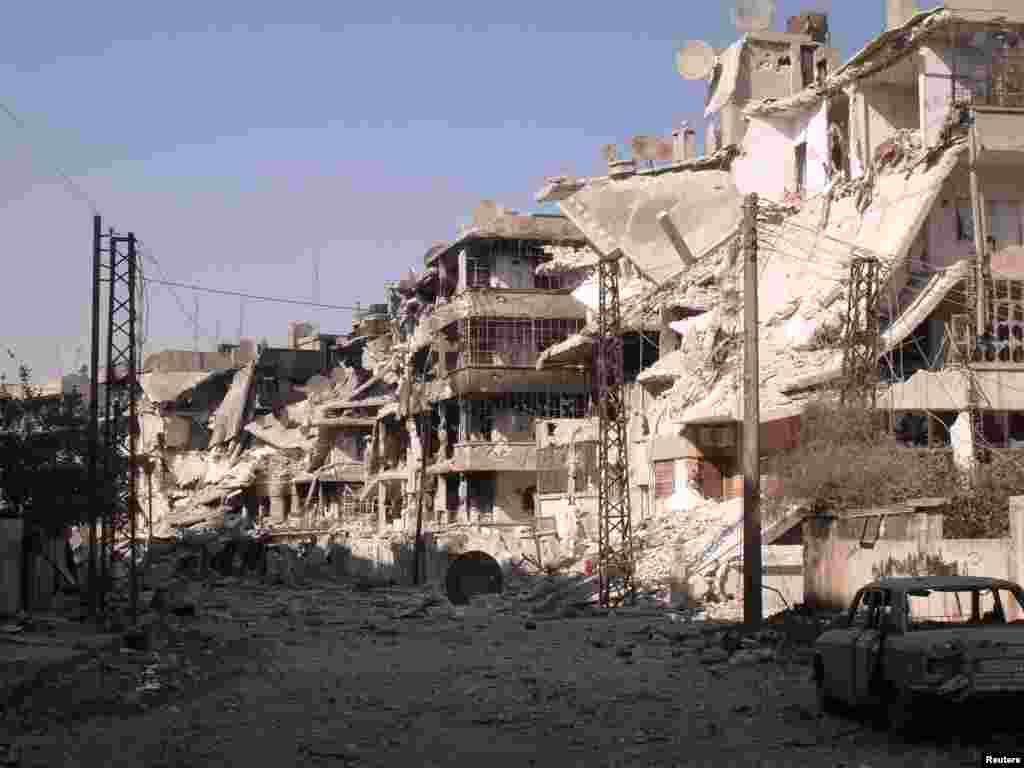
x: 492, y: 222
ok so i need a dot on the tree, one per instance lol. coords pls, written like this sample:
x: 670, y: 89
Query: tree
x: 43, y: 454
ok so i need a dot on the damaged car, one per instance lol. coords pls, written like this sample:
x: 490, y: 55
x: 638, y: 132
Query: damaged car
x: 908, y: 644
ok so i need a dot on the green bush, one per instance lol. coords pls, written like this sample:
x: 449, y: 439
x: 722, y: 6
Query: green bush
x: 848, y: 460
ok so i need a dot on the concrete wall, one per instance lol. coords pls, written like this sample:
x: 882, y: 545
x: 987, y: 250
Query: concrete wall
x: 890, y: 108
x: 935, y: 90
x: 767, y: 165
x: 508, y: 498
x: 836, y: 564
x: 1000, y: 186
x: 782, y: 579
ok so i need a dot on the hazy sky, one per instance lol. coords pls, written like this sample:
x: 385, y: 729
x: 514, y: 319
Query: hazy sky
x: 238, y: 139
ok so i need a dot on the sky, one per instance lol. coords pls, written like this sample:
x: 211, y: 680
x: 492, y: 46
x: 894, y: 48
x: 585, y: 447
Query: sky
x: 244, y: 143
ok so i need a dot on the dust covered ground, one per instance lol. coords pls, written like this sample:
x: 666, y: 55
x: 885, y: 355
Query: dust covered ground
x: 330, y: 674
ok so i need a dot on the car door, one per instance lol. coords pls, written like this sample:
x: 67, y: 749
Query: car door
x: 836, y: 651
x: 867, y: 643
x: 860, y: 622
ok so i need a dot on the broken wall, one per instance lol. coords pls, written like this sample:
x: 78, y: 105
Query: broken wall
x: 508, y: 497
x: 767, y: 163
x: 837, y: 563
x: 889, y: 108
x: 936, y: 96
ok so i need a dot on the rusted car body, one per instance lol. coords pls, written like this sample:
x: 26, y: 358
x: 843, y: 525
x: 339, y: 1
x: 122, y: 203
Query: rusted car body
x: 907, y: 643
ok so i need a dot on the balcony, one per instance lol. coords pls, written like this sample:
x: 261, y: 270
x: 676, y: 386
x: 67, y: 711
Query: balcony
x: 482, y: 456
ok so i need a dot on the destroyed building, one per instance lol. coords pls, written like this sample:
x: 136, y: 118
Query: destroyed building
x: 475, y: 374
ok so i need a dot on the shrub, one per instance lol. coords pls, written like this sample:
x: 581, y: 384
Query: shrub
x: 848, y: 460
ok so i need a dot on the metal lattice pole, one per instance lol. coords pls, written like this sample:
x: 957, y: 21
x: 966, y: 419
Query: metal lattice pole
x: 113, y: 456
x: 861, y: 338
x: 615, y: 530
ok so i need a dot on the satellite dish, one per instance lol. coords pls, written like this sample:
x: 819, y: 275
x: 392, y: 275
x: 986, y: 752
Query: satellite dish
x: 695, y: 60
x: 753, y: 15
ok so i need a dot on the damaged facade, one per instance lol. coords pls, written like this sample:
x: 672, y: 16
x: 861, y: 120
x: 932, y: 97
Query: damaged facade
x: 473, y: 377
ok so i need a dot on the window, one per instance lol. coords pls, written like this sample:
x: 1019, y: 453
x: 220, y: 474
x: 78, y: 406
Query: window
x: 664, y: 479
x: 863, y: 615
x: 801, y: 168
x: 936, y: 608
x: 807, y: 65
x: 1004, y: 223
x: 478, y: 271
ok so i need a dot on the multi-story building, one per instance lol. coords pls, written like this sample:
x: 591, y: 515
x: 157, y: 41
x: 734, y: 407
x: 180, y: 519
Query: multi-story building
x: 472, y: 328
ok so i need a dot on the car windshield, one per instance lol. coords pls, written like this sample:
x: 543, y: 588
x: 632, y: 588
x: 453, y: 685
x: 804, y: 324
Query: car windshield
x: 939, y: 608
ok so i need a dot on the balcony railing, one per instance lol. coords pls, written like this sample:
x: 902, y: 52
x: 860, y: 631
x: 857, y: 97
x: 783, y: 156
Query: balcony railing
x: 996, y: 82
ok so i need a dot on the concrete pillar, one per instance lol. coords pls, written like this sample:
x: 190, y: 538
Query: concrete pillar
x: 1015, y: 572
x: 462, y: 270
x: 280, y: 502
x: 382, y: 495
x: 689, y: 143
x: 463, y: 499
x: 962, y: 442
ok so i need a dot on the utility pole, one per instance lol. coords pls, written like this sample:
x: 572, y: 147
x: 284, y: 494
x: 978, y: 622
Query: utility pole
x: 980, y: 240
x: 615, y: 556
x: 96, y: 499
x: 980, y: 302
x: 752, y: 611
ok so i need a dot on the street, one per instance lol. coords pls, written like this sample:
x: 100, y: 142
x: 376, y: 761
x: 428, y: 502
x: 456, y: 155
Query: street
x: 329, y: 675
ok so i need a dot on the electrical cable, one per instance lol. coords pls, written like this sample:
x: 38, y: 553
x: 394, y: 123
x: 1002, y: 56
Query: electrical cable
x: 254, y: 297
x: 75, y: 188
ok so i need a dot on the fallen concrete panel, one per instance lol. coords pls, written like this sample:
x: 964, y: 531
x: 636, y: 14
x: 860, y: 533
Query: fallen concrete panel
x: 731, y: 62
x: 231, y: 416
x: 704, y: 206
x: 166, y: 387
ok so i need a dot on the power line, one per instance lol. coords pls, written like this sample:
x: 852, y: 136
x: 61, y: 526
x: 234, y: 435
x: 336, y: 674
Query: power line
x: 254, y: 297
x: 74, y: 187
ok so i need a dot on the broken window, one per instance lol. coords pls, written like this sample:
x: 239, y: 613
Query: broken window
x: 481, y: 494
x: 801, y: 168
x: 964, y: 221
x: 478, y: 270
x: 549, y: 282
x: 1015, y: 430
x: 1004, y: 222
x: 806, y: 65
x: 912, y: 429
x: 993, y: 429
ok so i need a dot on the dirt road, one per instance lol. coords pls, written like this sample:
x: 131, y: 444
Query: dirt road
x: 325, y: 675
